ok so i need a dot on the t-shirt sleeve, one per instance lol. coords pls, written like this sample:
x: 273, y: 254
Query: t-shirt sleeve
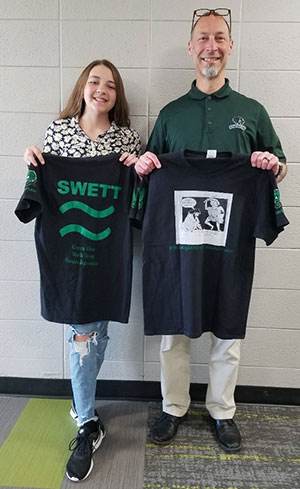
x: 158, y: 143
x: 270, y: 217
x: 30, y: 203
x: 138, y: 201
x: 267, y: 139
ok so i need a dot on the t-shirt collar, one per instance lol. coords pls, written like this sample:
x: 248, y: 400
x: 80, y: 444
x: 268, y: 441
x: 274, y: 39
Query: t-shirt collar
x: 223, y: 92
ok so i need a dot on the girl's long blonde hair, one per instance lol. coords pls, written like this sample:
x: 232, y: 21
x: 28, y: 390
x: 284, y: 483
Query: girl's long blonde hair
x: 76, y: 104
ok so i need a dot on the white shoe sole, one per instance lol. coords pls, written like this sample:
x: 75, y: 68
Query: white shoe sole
x: 97, y: 443
x: 74, y: 479
x: 73, y: 414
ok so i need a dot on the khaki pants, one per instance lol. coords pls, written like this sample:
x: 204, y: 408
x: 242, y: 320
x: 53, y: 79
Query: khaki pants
x: 175, y: 375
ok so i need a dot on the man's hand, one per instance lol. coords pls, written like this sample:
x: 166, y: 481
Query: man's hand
x: 31, y: 154
x: 146, y: 163
x: 268, y: 161
x: 128, y: 159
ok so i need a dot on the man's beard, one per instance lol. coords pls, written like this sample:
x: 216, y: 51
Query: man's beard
x: 210, y: 72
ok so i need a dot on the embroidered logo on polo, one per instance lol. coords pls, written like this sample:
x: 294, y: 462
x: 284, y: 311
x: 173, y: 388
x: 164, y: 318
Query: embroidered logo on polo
x: 90, y: 189
x: 202, y: 217
x: 238, y: 123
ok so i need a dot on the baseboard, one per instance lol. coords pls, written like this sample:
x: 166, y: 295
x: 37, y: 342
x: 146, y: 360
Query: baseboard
x: 141, y: 390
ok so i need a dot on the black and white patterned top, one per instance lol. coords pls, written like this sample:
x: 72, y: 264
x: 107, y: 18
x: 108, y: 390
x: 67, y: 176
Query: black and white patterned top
x: 64, y: 137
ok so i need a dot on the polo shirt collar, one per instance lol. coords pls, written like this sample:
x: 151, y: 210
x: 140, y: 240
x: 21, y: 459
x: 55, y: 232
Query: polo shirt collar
x: 223, y: 92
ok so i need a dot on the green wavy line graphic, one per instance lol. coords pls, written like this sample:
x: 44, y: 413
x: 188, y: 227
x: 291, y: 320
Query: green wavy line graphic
x: 76, y: 204
x: 76, y: 228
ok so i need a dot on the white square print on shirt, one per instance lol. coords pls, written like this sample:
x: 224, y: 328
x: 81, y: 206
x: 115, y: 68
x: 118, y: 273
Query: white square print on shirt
x: 202, y: 217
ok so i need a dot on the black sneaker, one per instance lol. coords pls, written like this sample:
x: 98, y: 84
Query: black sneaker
x: 74, y: 415
x: 88, y: 439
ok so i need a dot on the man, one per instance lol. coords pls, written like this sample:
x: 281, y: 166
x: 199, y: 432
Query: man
x: 211, y: 116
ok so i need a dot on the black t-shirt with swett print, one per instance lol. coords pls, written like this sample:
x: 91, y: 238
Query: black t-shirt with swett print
x: 83, y: 236
x: 202, y: 218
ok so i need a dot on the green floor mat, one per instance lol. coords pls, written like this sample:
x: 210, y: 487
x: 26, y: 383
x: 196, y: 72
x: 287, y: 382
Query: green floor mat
x: 36, y: 450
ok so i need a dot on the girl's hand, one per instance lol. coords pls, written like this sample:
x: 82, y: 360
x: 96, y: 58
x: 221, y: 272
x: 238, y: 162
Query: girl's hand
x: 33, y: 155
x: 128, y: 159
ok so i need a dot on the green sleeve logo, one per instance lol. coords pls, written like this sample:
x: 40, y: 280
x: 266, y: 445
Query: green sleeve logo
x: 31, y: 177
x: 31, y: 181
x: 277, y: 203
x: 138, y: 198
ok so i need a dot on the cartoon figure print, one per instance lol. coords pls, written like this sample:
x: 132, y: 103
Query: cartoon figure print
x: 215, y: 213
x: 202, y: 217
x: 191, y: 221
x: 190, y: 215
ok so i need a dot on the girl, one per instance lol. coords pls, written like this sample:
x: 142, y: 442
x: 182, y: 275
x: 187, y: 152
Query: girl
x: 94, y: 122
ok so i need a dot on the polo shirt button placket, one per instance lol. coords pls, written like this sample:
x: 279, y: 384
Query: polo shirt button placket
x: 209, y: 109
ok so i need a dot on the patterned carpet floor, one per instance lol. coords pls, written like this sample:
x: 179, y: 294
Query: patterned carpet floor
x: 269, y: 459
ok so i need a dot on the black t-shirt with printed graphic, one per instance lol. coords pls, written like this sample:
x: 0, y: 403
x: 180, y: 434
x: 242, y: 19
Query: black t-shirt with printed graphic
x: 83, y: 236
x: 201, y: 220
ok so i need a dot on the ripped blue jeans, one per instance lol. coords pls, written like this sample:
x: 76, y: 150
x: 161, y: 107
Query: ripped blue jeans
x: 86, y: 358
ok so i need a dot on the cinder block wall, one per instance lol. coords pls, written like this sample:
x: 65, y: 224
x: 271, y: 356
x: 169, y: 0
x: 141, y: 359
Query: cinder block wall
x: 43, y: 47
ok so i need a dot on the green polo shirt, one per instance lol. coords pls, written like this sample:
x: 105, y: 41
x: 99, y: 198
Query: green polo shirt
x: 222, y: 121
